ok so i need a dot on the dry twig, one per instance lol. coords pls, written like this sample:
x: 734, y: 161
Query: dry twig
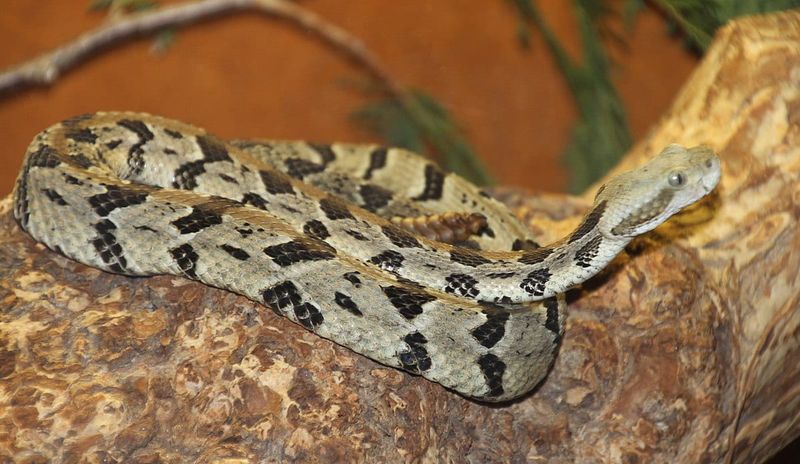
x: 46, y: 68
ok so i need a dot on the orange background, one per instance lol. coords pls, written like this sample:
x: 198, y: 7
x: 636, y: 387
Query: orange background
x: 251, y: 75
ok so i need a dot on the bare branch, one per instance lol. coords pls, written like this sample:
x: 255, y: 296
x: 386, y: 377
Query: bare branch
x: 46, y: 68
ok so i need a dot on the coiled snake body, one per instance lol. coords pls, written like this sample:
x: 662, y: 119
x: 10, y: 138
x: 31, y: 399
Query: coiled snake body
x: 303, y: 228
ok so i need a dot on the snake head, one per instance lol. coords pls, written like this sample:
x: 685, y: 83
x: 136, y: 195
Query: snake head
x: 637, y: 201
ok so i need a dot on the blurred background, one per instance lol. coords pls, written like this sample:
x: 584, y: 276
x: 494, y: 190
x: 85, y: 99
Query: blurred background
x: 543, y: 95
x: 251, y: 75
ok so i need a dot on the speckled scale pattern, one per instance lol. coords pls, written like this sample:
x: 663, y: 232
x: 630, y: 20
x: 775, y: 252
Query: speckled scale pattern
x: 305, y: 229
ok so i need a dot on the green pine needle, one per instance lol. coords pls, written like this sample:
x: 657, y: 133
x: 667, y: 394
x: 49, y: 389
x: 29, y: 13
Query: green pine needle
x: 699, y: 19
x: 124, y: 5
x: 163, y: 41
x: 601, y: 135
x: 419, y: 123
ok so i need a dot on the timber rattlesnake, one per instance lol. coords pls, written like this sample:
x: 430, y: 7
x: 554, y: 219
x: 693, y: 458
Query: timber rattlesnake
x: 301, y: 228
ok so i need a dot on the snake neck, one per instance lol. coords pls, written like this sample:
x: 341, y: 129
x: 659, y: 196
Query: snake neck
x: 567, y: 263
x: 544, y: 272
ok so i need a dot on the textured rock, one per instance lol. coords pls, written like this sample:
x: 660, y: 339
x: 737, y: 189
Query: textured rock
x: 684, y: 350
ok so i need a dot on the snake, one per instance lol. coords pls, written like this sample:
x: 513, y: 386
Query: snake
x: 374, y: 248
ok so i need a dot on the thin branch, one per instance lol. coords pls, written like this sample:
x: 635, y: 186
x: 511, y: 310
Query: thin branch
x: 46, y: 68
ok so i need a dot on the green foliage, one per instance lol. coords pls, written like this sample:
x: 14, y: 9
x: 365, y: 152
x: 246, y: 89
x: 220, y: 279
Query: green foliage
x: 163, y: 41
x: 601, y: 135
x: 124, y: 5
x: 419, y: 123
x: 698, y: 19
x: 526, y: 13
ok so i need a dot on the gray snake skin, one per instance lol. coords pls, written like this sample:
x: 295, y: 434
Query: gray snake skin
x: 304, y: 229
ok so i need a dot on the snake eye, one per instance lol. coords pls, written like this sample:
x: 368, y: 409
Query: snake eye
x: 676, y: 179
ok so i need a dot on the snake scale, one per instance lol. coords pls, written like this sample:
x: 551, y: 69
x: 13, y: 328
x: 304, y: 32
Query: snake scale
x: 305, y: 229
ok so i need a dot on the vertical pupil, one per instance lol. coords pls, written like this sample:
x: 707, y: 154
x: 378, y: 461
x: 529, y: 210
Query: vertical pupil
x: 676, y: 179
